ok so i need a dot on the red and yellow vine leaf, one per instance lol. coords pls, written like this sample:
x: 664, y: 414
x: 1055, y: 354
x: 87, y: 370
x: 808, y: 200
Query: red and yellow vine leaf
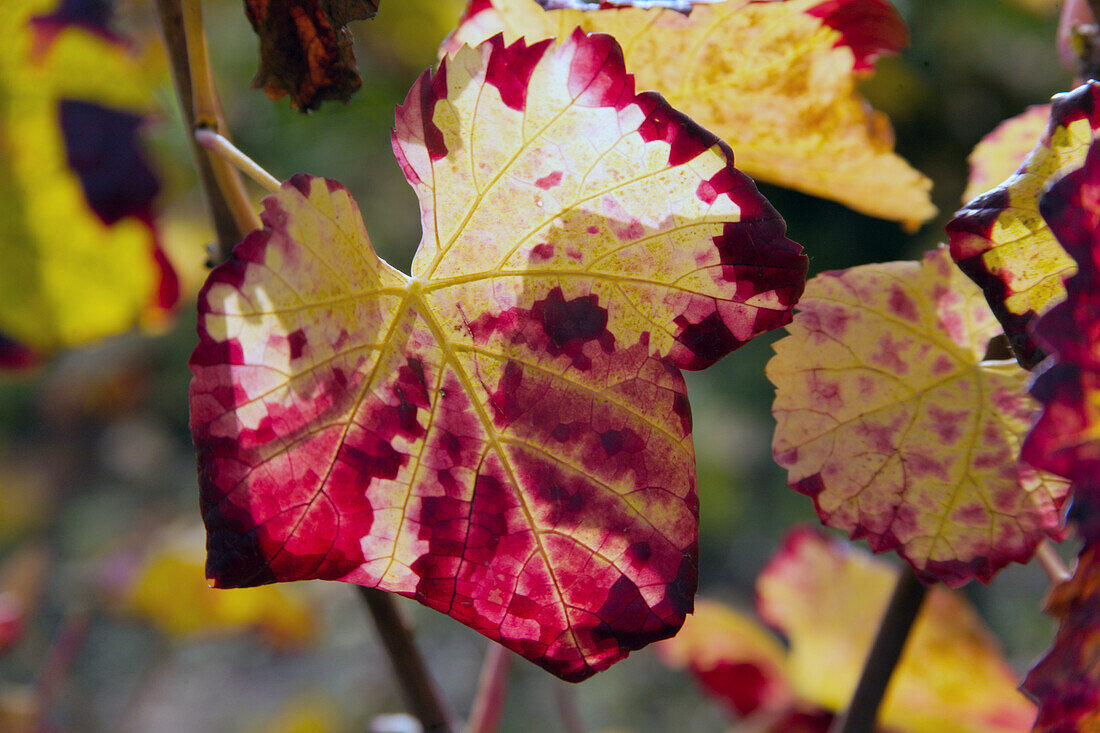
x: 1001, y: 153
x: 890, y: 420
x: 1001, y: 242
x: 734, y: 658
x: 776, y: 80
x: 505, y: 435
x: 306, y: 48
x: 81, y: 259
x: 1066, y: 682
x: 827, y: 598
x: 1066, y: 439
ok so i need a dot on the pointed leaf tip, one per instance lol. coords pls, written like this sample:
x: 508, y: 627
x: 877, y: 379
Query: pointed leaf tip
x: 504, y: 437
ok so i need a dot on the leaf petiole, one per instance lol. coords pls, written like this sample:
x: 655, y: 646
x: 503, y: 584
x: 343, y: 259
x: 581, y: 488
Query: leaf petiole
x: 1051, y: 563
x: 231, y: 154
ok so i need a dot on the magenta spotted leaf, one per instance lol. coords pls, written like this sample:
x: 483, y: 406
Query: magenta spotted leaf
x: 892, y: 420
x: 505, y: 435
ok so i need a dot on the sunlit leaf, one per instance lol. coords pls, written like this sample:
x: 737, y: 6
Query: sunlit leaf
x: 1002, y: 152
x: 169, y: 590
x: 504, y: 436
x: 891, y: 421
x: 776, y: 80
x: 80, y: 255
x: 1066, y: 682
x: 306, y: 48
x: 1066, y: 439
x: 1000, y: 240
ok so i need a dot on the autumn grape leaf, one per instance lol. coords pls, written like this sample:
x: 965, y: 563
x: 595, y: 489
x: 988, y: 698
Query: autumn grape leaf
x: 827, y: 598
x: 1001, y: 153
x: 1066, y: 682
x: 891, y: 421
x: 776, y: 80
x: 306, y: 48
x: 505, y: 435
x: 81, y: 259
x: 1066, y: 438
x: 1001, y: 242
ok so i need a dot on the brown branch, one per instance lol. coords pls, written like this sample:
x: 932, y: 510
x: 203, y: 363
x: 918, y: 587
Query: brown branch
x: 893, y: 631
x: 417, y: 686
x: 492, y: 685
x: 230, y: 209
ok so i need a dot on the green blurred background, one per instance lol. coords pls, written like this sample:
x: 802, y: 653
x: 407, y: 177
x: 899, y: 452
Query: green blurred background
x: 96, y: 467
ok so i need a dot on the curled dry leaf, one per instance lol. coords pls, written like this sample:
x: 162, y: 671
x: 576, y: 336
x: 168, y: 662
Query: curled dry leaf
x: 306, y: 48
x: 1001, y: 242
x: 776, y: 80
x: 69, y: 153
x: 505, y: 435
x: 891, y: 421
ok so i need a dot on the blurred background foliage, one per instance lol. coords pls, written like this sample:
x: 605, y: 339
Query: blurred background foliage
x: 105, y: 620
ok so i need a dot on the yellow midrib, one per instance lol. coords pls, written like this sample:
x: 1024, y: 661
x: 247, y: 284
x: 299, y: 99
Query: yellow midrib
x: 416, y: 298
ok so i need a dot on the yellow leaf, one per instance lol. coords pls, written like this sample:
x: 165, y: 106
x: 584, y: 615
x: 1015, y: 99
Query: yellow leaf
x: 773, y: 79
x: 827, y: 599
x: 77, y: 266
x: 170, y: 591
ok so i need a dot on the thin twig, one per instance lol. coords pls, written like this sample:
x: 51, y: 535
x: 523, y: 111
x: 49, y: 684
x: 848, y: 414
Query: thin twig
x: 230, y: 153
x: 893, y: 631
x: 417, y: 686
x: 230, y: 209
x: 492, y: 684
x: 1051, y: 563
x: 566, y: 697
